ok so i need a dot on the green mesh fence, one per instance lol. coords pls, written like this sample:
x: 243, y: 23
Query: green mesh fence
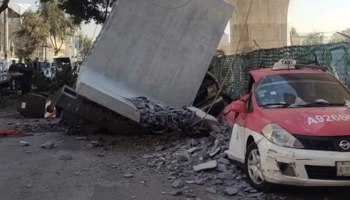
x: 334, y: 56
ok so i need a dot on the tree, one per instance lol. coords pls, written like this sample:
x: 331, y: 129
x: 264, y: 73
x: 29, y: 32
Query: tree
x: 343, y: 36
x: 60, y: 25
x: 85, y: 45
x: 314, y: 38
x: 85, y: 10
x: 33, y: 32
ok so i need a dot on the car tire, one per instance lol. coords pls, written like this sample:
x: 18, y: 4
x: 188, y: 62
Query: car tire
x: 253, y: 169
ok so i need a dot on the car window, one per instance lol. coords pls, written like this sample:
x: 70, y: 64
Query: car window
x: 300, y: 89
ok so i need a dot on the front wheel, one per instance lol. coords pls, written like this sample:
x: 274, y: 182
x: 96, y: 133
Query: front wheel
x: 253, y: 169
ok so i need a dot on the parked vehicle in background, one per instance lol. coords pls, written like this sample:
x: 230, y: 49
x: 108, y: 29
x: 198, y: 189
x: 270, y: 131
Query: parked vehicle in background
x: 4, y: 67
x: 292, y: 128
x: 48, y: 69
x: 61, y: 62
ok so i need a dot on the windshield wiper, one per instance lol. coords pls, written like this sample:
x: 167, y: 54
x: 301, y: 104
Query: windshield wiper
x: 320, y: 104
x: 276, y: 105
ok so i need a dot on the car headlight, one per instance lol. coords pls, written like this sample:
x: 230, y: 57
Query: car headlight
x: 281, y: 137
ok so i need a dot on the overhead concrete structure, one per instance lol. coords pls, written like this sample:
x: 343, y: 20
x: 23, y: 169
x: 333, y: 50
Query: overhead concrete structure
x: 159, y: 49
x: 267, y: 25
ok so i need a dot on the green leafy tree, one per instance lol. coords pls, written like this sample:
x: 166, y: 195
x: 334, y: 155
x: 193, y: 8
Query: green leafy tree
x: 314, y: 38
x: 343, y: 36
x: 85, y: 45
x: 85, y: 10
x: 60, y: 25
x: 33, y: 32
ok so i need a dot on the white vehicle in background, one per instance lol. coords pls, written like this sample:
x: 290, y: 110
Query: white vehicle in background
x: 60, y: 62
x: 48, y: 69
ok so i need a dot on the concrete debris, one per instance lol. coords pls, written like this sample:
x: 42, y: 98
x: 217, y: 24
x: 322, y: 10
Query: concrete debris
x: 162, y: 118
x: 82, y: 138
x: 224, y: 161
x: 183, y: 155
x: 160, y: 148
x: 128, y: 175
x: 211, y: 190
x: 192, y: 150
x: 205, y: 166
x: 95, y: 143
x: 66, y: 156
x: 28, y: 134
x: 231, y: 191
x: 48, y: 145
x: 24, y: 143
x: 221, y: 167
x: 215, y: 152
x: 175, y: 193
x: 178, y: 184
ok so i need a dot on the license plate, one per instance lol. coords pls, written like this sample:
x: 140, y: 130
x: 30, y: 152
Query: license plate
x: 343, y: 168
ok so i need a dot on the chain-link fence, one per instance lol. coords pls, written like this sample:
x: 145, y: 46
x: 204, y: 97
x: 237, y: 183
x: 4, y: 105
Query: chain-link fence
x: 336, y: 57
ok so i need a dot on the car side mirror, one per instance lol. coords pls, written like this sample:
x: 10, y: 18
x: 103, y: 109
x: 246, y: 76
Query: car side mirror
x: 238, y: 106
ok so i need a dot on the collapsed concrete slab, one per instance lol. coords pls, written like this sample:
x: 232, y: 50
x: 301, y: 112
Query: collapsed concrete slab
x: 159, y: 49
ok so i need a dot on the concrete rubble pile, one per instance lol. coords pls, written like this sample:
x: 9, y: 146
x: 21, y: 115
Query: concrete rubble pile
x: 202, y: 161
x: 158, y: 117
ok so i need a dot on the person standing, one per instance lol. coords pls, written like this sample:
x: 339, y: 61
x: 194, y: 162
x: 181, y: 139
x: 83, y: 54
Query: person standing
x: 36, y: 65
x: 27, y: 71
x: 13, y: 80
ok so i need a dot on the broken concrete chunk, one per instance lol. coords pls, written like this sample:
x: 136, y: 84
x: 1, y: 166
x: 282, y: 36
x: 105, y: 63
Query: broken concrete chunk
x: 183, y: 155
x: 191, y: 150
x: 24, y: 143
x: 205, y: 166
x: 224, y: 161
x: 177, y: 184
x: 221, y: 167
x: 128, y: 175
x: 194, y: 142
x: 95, y: 143
x: 211, y: 190
x: 215, y: 152
x: 216, y: 128
x: 231, y: 191
x: 48, y: 145
x: 160, y: 148
x: 82, y: 138
x: 175, y: 193
x: 190, y: 182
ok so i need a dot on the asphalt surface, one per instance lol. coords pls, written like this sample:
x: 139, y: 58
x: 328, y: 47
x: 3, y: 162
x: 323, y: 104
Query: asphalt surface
x: 100, y: 166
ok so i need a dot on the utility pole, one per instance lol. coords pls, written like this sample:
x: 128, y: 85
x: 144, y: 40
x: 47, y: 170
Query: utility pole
x: 6, y: 33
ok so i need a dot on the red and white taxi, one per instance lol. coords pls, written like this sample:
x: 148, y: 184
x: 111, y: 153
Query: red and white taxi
x: 292, y: 127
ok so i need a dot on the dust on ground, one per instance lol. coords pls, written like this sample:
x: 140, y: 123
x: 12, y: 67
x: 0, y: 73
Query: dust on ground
x: 79, y: 166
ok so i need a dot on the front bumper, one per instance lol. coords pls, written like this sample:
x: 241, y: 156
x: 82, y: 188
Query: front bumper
x: 300, y: 161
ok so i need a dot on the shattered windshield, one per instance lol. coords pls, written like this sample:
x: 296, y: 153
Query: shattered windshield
x: 300, y: 90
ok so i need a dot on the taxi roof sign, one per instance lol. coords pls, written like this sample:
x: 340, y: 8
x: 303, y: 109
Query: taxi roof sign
x: 285, y: 64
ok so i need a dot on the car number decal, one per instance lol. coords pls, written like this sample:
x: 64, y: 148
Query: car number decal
x: 327, y: 118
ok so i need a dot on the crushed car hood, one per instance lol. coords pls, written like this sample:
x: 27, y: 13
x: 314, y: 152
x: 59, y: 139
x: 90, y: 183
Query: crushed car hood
x: 316, y: 121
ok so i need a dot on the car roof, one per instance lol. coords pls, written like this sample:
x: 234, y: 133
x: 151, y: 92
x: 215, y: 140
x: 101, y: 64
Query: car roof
x: 260, y: 73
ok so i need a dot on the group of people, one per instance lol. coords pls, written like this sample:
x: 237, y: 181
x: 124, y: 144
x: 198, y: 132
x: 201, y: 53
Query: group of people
x: 22, y: 74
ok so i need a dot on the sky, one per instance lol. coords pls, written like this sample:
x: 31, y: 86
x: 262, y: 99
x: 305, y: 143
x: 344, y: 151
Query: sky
x: 306, y: 16
x: 327, y: 16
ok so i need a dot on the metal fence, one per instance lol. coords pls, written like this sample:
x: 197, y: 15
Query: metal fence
x: 335, y: 57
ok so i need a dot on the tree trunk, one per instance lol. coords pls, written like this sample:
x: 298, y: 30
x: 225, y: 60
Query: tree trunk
x: 56, y: 52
